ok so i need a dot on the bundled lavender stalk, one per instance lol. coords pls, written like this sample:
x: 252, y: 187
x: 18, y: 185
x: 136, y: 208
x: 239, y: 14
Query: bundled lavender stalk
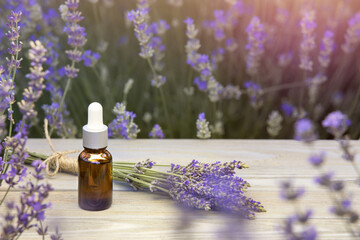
x: 197, y: 185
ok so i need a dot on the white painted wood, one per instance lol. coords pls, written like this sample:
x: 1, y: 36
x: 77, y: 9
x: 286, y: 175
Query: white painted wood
x: 143, y: 215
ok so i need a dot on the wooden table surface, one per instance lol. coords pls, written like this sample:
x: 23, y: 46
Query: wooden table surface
x: 144, y: 215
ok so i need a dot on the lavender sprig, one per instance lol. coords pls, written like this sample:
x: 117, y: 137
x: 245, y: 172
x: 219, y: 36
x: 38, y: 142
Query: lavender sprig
x: 123, y: 125
x: 213, y: 187
x: 36, y: 86
x: 31, y: 210
x: 308, y: 26
x: 255, y: 93
x: 202, y: 126
x: 202, y: 186
x: 76, y: 39
x: 352, y: 37
x: 326, y: 48
x: 296, y: 226
x: 140, y: 18
x: 274, y: 123
x: 157, y: 132
x: 7, y: 94
x: 30, y: 95
x: 255, y: 45
x: 201, y: 64
x: 337, y: 124
x: 151, y: 47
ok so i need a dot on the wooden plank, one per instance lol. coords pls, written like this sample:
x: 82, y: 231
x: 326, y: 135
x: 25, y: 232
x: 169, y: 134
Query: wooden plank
x: 143, y: 215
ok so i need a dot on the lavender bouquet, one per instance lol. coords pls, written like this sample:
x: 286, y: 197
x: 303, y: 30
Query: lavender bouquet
x: 196, y: 185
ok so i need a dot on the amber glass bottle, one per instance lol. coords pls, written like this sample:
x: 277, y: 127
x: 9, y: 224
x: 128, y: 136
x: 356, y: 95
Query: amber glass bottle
x: 95, y: 164
x: 95, y: 179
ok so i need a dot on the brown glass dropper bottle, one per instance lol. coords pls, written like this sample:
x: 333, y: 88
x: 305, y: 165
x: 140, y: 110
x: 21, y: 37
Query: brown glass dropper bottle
x: 95, y: 163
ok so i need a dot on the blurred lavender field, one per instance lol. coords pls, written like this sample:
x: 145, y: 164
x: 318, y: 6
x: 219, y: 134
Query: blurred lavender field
x: 262, y: 65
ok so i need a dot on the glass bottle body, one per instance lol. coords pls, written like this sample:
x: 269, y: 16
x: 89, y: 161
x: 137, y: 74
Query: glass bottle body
x: 95, y: 179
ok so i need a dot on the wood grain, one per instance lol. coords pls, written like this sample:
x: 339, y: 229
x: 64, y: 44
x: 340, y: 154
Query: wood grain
x: 143, y: 215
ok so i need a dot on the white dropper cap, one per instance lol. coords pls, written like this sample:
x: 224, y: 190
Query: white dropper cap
x: 95, y: 133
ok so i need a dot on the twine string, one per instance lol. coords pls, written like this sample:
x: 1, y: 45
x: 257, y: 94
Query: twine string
x: 59, y: 159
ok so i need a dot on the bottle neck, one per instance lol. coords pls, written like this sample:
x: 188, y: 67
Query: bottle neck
x: 90, y: 150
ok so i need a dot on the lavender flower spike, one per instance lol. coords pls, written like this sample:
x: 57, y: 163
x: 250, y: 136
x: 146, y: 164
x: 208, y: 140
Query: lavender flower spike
x: 352, y: 37
x: 336, y: 123
x: 36, y: 76
x: 123, y: 125
x: 31, y: 210
x: 139, y: 18
x: 156, y: 132
x: 307, y: 44
x: 13, y: 63
x: 274, y: 123
x: 326, y: 48
x: 76, y: 34
x: 255, y: 46
x: 304, y: 131
x: 201, y: 64
x: 202, y: 126
x: 212, y: 187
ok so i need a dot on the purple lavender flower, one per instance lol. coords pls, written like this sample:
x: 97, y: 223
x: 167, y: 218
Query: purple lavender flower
x: 139, y: 18
x: 158, y: 81
x: 200, y: 63
x: 336, y: 123
x: 76, y: 34
x: 352, y: 37
x: 287, y: 109
x: 292, y: 230
x: 217, y: 56
x: 57, y: 118
x: 57, y: 235
x: 17, y: 171
x: 90, y: 58
x: 284, y: 59
x: 290, y: 192
x: 255, y: 45
x: 231, y: 92
x: 157, y: 132
x: 34, y: 91
x: 202, y: 85
x: 220, y: 22
x: 255, y: 93
x: 324, y: 179
x: 158, y: 30
x: 12, y: 168
x: 159, y: 49
x: 317, y: 159
x: 345, y: 147
x: 6, y: 98
x: 13, y: 63
x: 150, y: 40
x: 307, y: 44
x: 160, y: 27
x: 212, y: 186
x: 57, y: 113
x: 202, y: 125
x: 326, y: 48
x: 31, y: 209
x: 123, y: 125
x: 304, y: 131
x: 303, y: 230
x: 231, y: 45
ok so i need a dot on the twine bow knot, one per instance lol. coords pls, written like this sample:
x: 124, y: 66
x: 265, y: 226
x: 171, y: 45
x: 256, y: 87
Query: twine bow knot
x: 59, y: 159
